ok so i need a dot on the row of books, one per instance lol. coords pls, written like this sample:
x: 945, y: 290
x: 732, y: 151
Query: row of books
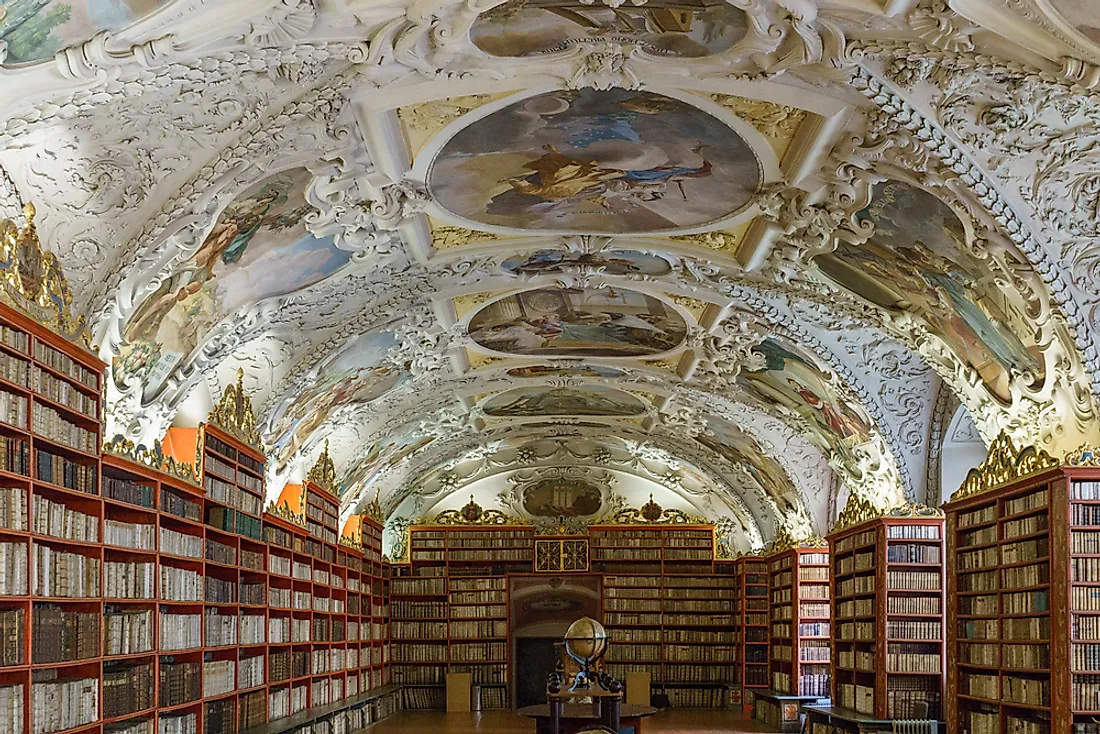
x: 61, y: 391
x: 127, y: 688
x: 61, y: 521
x: 66, y: 365
x: 66, y: 473
x: 56, y: 427
x: 13, y: 409
x: 127, y: 490
x: 60, y: 635
x: 129, y: 580
x: 63, y: 574
x: 127, y: 631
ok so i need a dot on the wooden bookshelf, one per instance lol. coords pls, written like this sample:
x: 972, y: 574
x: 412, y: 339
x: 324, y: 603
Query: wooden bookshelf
x: 751, y: 596
x: 799, y: 618
x: 1023, y: 538
x: 887, y: 613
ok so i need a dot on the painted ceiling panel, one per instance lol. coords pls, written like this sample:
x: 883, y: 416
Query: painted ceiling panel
x: 735, y: 249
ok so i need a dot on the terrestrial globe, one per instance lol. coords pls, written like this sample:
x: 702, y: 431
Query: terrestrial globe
x: 586, y: 641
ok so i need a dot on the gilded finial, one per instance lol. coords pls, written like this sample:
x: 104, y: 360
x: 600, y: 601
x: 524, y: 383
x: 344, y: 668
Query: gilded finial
x: 32, y: 280
x: 857, y: 511
x: 323, y: 473
x: 234, y: 414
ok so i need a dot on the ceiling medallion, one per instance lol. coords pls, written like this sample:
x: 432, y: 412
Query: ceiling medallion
x: 152, y: 457
x: 234, y: 414
x: 32, y: 281
x: 651, y: 513
x: 323, y: 473
x: 1004, y: 464
x: 473, y: 514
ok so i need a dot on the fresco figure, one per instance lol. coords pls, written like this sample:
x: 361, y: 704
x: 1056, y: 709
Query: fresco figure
x: 612, y: 262
x: 737, y: 447
x: 917, y: 261
x: 595, y: 161
x: 259, y: 248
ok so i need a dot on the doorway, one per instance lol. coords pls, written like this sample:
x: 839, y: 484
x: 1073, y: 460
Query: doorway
x: 535, y: 660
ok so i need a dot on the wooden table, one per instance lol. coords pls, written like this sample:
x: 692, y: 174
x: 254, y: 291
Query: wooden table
x: 579, y: 715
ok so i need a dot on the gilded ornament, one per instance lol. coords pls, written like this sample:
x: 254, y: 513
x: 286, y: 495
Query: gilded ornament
x: 429, y: 118
x: 283, y: 511
x: 152, y: 457
x: 32, y: 280
x: 446, y: 236
x: 234, y: 414
x: 561, y: 554
x: 1083, y: 455
x: 351, y: 542
x: 770, y: 119
x: 650, y: 513
x: 373, y: 509
x: 857, y: 511
x: 785, y: 541
x: 718, y: 241
x: 473, y: 514
x: 915, y: 510
x: 1005, y: 463
x: 323, y: 473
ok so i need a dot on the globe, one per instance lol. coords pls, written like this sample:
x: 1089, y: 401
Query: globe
x: 586, y: 641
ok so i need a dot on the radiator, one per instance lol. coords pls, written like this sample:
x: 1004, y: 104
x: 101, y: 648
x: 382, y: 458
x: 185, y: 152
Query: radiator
x: 916, y: 727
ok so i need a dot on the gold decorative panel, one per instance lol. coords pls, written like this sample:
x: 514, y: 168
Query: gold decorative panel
x: 557, y: 555
x: 1005, y: 463
x: 727, y: 240
x: 776, y: 122
x: 234, y: 414
x: 422, y: 121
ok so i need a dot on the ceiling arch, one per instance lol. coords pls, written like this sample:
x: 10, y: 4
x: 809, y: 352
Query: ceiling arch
x: 763, y: 249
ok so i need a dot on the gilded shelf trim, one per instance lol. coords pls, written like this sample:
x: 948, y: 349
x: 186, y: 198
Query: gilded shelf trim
x: 284, y: 512
x: 32, y: 281
x: 1004, y: 464
x: 323, y: 473
x: 152, y: 457
x: 234, y: 414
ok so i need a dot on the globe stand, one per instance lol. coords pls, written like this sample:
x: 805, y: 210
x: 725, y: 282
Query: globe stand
x: 585, y: 643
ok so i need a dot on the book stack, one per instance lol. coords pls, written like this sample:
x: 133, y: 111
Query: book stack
x: 127, y: 631
x: 58, y: 705
x: 129, y: 535
x: 64, y: 472
x: 13, y: 508
x: 13, y: 636
x: 62, y: 574
x: 60, y: 521
x: 127, y: 689
x: 126, y: 490
x: 178, y: 724
x: 180, y: 682
x: 60, y: 635
x: 180, y: 631
x: 130, y: 580
x: 15, y: 456
x: 11, y: 706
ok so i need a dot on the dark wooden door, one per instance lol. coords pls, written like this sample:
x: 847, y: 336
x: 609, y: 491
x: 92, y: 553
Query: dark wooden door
x: 535, y: 660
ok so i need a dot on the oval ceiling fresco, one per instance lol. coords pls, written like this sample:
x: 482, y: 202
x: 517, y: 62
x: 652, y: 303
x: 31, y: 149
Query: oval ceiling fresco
x: 562, y: 497
x: 578, y: 322
x: 530, y: 402
x: 687, y: 28
x: 1084, y: 15
x: 612, y: 262
x: 580, y: 370
x: 595, y: 162
x: 917, y: 261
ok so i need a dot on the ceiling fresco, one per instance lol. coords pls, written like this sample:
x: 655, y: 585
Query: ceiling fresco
x: 595, y: 161
x: 578, y: 322
x: 666, y: 29
x: 531, y: 402
x: 740, y: 253
x: 33, y: 30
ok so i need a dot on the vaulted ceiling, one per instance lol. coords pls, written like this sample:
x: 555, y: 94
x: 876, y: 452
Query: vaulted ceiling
x: 747, y: 253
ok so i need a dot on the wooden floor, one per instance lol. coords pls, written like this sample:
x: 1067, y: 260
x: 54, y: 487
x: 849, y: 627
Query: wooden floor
x: 506, y: 722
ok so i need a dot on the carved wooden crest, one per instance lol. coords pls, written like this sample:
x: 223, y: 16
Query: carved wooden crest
x: 323, y: 473
x: 1004, y: 464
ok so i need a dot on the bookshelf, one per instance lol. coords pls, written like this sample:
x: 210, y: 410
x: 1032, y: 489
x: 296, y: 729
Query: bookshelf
x: 887, y: 612
x: 751, y: 603
x: 1022, y: 585
x: 799, y: 618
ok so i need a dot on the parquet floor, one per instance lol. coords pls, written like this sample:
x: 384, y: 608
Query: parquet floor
x: 506, y: 722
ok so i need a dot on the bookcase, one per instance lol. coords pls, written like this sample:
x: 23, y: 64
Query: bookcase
x: 887, y: 611
x: 799, y: 617
x: 750, y: 605
x: 1023, y: 588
